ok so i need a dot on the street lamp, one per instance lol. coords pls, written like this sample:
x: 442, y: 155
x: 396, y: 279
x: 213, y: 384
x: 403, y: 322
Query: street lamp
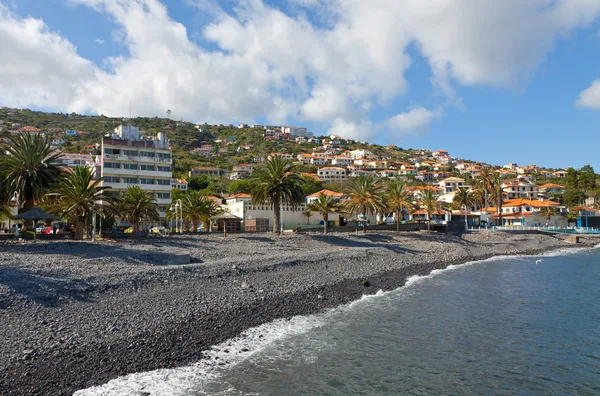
x: 174, y: 208
x: 15, y: 199
x: 180, y: 206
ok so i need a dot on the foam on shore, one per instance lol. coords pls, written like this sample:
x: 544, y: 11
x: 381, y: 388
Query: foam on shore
x: 221, y: 357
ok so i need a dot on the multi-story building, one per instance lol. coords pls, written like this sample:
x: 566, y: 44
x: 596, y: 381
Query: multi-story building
x: 518, y: 188
x: 207, y: 170
x: 70, y: 160
x: 241, y: 171
x: 451, y: 184
x: 296, y: 131
x: 130, y: 159
x: 331, y: 173
x: 179, y: 184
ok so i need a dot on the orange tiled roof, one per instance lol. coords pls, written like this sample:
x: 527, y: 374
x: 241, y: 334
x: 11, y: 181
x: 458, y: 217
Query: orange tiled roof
x: 329, y: 193
x: 552, y: 185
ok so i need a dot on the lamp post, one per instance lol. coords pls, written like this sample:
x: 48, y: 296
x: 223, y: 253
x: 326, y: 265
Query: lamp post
x: 174, y: 208
x: 180, y: 206
x: 15, y: 199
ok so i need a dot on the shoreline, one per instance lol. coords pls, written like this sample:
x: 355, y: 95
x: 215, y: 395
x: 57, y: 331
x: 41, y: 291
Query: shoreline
x: 262, y: 290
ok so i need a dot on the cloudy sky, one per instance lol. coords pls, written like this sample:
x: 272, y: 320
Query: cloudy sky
x: 498, y: 81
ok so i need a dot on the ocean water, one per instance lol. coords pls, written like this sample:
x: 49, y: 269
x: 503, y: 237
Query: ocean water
x: 501, y: 326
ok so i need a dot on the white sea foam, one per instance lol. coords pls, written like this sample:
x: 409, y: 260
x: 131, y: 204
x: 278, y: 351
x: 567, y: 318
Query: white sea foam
x: 180, y: 381
x: 220, y: 357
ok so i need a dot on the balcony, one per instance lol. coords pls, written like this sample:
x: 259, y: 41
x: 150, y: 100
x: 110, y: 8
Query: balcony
x: 145, y: 187
x: 134, y: 173
x: 141, y: 159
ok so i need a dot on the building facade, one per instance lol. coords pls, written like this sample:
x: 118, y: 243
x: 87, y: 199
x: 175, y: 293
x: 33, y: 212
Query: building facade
x: 129, y: 159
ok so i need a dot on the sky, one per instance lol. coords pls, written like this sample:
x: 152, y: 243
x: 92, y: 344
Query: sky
x: 487, y: 80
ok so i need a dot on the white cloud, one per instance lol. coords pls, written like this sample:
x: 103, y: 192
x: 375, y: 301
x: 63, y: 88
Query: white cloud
x: 279, y: 66
x: 99, y: 41
x: 357, y: 130
x: 590, y: 97
x: 416, y: 120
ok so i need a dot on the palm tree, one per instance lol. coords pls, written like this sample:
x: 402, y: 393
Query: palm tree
x: 485, y: 183
x: 324, y: 204
x: 548, y: 212
x: 397, y: 198
x: 207, y: 209
x: 497, y: 194
x: 364, y: 197
x: 308, y: 214
x: 28, y: 166
x: 137, y: 206
x: 429, y: 201
x: 572, y: 217
x: 79, y: 195
x: 192, y: 204
x: 277, y: 183
x: 463, y: 198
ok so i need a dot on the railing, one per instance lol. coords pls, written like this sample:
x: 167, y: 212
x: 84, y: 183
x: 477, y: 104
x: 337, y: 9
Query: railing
x: 562, y: 230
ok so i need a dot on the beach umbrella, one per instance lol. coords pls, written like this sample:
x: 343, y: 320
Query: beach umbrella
x: 225, y: 217
x: 35, y: 214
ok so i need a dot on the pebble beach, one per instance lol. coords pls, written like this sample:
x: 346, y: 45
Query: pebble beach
x: 77, y: 314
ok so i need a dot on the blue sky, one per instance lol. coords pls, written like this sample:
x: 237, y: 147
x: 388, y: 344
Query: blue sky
x: 510, y: 81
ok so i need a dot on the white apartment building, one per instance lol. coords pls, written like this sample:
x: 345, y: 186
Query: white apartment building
x: 331, y: 173
x: 128, y: 159
x: 356, y: 154
x: 241, y: 171
x: 518, y: 188
x: 341, y: 161
x: 451, y: 184
x: 296, y: 131
x: 318, y: 161
x: 71, y: 160
x: 179, y: 184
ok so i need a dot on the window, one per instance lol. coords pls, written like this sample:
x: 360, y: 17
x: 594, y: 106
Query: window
x: 112, y: 151
x: 131, y: 153
x: 166, y: 195
x: 163, y: 182
x: 112, y: 165
x: 147, y: 167
x: 148, y: 154
x: 130, y: 180
x: 111, y: 179
x: 146, y: 181
x: 163, y: 168
x: 130, y: 166
x: 163, y: 155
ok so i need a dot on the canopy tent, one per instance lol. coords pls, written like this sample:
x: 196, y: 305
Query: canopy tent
x: 225, y: 217
x: 35, y: 214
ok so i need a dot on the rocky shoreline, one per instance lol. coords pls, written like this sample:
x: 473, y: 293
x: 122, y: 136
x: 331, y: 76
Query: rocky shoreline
x: 75, y: 315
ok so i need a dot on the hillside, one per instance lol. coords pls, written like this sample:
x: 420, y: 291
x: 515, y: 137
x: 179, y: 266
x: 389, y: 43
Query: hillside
x: 225, y: 140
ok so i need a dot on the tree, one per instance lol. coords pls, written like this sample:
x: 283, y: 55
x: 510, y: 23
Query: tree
x: 572, y: 179
x: 240, y: 186
x: 137, y: 206
x: 277, y: 183
x: 79, y: 195
x: 548, y: 212
x: 497, y: 195
x: 485, y: 184
x: 308, y: 214
x: 429, y: 201
x: 29, y: 166
x: 397, y: 198
x: 364, y: 198
x: 586, y: 178
x: 573, y: 197
x: 572, y: 217
x: 311, y: 185
x: 197, y: 183
x: 324, y: 204
x: 463, y: 198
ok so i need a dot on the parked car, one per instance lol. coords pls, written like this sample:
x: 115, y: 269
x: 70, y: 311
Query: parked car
x: 158, y: 230
x: 39, y: 228
x: 47, y: 231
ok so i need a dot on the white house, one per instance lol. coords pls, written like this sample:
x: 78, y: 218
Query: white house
x: 179, y: 184
x: 331, y: 173
x: 333, y: 194
x: 519, y: 188
x: 451, y: 184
